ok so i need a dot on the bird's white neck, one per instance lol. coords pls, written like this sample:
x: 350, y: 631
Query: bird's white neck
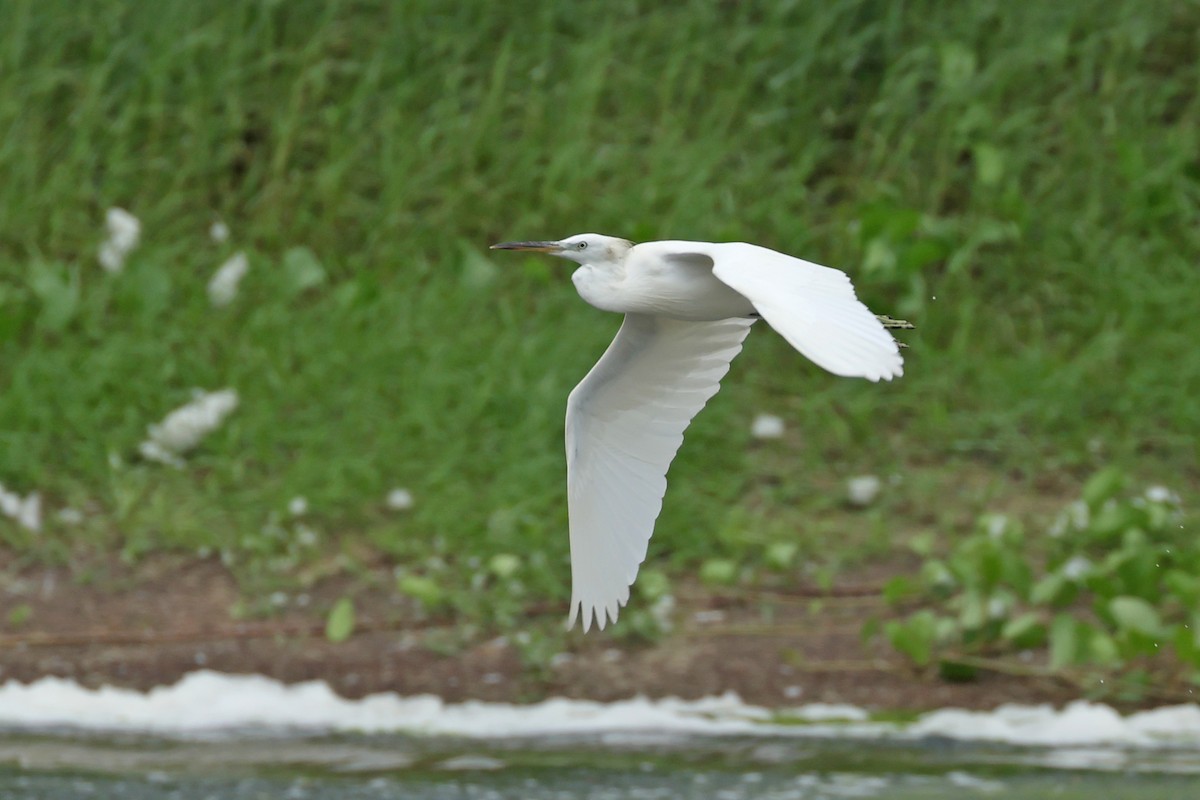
x: 600, y: 285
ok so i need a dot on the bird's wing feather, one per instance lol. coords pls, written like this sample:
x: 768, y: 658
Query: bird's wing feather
x: 625, y: 422
x: 813, y: 307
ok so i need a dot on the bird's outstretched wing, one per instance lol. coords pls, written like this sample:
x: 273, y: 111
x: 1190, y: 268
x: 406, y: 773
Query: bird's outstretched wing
x: 625, y: 422
x: 812, y: 306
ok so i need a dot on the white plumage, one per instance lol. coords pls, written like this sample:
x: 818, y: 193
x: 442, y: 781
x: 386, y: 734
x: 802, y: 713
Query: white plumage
x: 688, y: 307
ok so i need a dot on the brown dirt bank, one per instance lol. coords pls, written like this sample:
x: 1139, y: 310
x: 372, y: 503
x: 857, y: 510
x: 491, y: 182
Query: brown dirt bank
x: 149, y: 626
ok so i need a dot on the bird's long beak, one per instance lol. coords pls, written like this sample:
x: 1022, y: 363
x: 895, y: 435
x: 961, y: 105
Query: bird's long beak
x: 535, y: 247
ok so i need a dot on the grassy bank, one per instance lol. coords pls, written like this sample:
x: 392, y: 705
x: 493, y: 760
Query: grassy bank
x: 1020, y: 180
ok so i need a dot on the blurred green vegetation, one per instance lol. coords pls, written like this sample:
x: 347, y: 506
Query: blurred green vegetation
x: 1022, y: 180
x: 1111, y: 592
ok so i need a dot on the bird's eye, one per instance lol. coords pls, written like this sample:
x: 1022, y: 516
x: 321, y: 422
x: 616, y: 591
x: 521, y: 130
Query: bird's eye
x: 582, y: 245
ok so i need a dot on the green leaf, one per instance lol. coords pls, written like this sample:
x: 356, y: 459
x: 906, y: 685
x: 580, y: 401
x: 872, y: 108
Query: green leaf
x: 504, y: 565
x: 1015, y: 571
x: 1161, y: 513
x: 1187, y: 642
x: 58, y: 292
x: 718, y: 572
x: 989, y: 164
x: 1064, y: 641
x: 922, y: 544
x: 301, y: 270
x: 991, y: 565
x: 944, y: 629
x: 422, y: 588
x: 1112, y: 521
x: 340, y: 623
x: 973, y: 612
x: 1102, y: 486
x: 897, y: 589
x: 19, y: 615
x: 936, y: 575
x: 914, y: 637
x: 1024, y: 631
x: 978, y: 562
x: 1137, y: 615
x: 780, y: 555
x: 1140, y: 574
x: 1103, y: 650
x: 1185, y: 587
x: 347, y: 295
x: 1051, y: 590
x: 958, y: 64
x: 653, y: 584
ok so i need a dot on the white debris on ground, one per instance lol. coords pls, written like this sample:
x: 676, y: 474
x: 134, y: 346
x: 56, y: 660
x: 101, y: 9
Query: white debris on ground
x: 69, y: 516
x: 399, y: 500
x: 862, y: 490
x: 1076, y: 568
x: 25, y: 511
x: 306, y: 536
x: 298, y: 506
x: 663, y: 613
x: 1073, y: 518
x: 219, y: 232
x: 1161, y: 494
x: 184, y: 428
x: 766, y: 426
x: 223, y: 287
x: 995, y: 525
x: 124, y: 231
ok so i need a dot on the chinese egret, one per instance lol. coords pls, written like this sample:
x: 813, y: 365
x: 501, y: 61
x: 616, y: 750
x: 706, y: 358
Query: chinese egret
x: 687, y: 307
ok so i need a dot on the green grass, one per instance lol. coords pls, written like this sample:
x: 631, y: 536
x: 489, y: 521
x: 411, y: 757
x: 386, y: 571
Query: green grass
x: 1021, y: 179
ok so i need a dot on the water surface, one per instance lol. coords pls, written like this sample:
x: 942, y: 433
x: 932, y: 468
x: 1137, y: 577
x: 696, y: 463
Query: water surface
x: 612, y: 766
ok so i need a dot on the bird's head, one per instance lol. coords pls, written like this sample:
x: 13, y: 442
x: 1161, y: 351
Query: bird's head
x: 582, y: 248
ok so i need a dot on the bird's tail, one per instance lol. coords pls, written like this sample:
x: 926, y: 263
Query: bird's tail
x: 893, y: 324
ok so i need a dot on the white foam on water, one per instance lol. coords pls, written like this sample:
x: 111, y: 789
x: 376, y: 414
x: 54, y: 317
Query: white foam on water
x: 1077, y: 724
x: 206, y: 702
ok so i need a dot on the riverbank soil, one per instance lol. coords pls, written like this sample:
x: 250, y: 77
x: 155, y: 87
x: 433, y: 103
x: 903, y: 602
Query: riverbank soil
x: 150, y: 625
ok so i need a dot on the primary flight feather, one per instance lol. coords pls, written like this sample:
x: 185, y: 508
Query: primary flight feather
x: 688, y: 306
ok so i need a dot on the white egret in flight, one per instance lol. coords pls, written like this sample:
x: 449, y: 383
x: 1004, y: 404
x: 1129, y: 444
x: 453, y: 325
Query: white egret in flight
x: 687, y: 307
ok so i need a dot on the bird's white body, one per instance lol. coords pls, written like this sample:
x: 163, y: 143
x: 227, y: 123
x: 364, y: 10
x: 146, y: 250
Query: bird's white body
x: 688, y: 306
x: 645, y: 281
